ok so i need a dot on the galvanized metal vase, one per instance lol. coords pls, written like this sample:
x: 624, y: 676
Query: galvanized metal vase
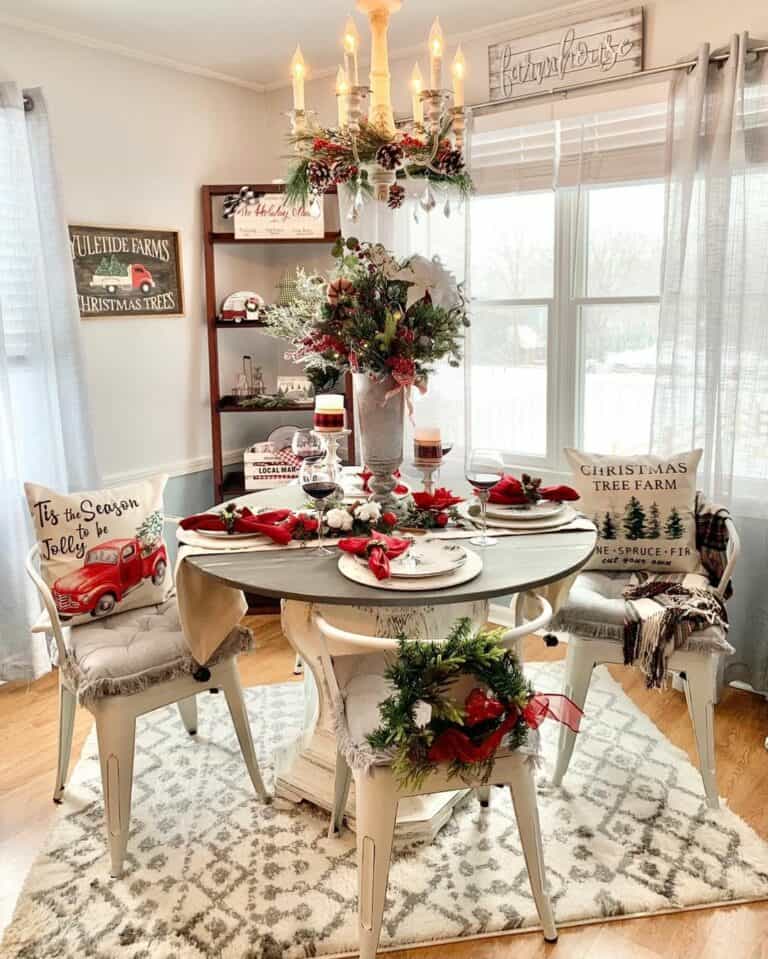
x: 381, y: 433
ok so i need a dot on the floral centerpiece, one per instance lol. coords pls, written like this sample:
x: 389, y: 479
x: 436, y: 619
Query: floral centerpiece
x: 388, y: 321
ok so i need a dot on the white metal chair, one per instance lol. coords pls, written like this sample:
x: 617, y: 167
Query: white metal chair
x: 696, y: 666
x: 378, y: 793
x: 97, y: 660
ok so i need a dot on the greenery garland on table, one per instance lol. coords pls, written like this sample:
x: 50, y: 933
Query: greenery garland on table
x: 423, y: 673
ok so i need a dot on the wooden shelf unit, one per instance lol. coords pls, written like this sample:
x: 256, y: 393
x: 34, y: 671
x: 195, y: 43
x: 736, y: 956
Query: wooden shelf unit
x: 231, y: 484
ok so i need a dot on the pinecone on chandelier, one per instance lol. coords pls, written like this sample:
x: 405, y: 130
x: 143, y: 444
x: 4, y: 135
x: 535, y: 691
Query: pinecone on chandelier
x: 319, y: 175
x: 396, y: 197
x: 342, y: 171
x: 451, y: 162
x: 390, y: 156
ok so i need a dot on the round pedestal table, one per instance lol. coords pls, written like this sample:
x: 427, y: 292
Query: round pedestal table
x: 303, y: 580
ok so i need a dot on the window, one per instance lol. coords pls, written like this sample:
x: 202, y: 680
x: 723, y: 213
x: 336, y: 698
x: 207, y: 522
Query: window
x: 565, y: 306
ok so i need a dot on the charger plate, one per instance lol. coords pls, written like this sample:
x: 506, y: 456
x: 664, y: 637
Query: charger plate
x: 349, y: 567
x: 531, y: 513
x: 563, y: 518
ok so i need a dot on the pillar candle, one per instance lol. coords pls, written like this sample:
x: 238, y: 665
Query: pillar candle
x: 329, y: 413
x: 417, y: 83
x: 298, y: 70
x: 436, y: 55
x: 427, y: 446
x: 351, y: 46
x: 342, y: 95
x: 458, y: 70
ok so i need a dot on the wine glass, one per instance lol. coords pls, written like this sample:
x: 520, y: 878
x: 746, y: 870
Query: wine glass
x: 483, y: 470
x: 307, y: 445
x: 319, y: 481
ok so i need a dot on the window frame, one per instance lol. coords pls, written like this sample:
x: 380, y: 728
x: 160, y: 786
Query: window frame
x: 566, y: 369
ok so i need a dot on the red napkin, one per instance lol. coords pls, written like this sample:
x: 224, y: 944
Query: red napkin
x: 441, y: 499
x: 271, y: 524
x: 366, y: 475
x: 560, y: 493
x: 379, y: 549
x: 509, y: 492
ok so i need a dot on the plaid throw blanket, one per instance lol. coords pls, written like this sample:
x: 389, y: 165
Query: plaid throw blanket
x: 663, y: 610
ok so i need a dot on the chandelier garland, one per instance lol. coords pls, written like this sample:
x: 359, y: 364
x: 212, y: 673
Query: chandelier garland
x: 366, y: 153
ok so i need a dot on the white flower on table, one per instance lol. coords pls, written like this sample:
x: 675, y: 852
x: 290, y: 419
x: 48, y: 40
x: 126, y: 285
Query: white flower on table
x: 369, y: 512
x: 339, y: 519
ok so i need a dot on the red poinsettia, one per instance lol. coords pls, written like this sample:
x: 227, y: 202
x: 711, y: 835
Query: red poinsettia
x: 440, y: 500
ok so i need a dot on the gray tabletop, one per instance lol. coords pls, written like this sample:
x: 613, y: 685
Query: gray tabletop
x: 515, y: 563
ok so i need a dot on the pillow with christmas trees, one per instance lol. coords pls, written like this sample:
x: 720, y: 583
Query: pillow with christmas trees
x: 102, y: 552
x: 643, y: 508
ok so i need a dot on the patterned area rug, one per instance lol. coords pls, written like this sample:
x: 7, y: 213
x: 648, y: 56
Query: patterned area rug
x: 213, y: 873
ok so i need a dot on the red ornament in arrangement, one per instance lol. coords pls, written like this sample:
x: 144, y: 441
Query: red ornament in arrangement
x: 479, y: 706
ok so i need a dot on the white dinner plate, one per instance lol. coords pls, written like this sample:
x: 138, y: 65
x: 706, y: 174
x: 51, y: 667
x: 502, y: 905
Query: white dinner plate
x: 526, y: 514
x: 223, y: 534
x: 563, y: 518
x: 351, y: 569
x: 425, y: 558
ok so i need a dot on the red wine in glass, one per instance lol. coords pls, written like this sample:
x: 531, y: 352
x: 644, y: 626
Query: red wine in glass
x: 319, y: 489
x: 482, y: 481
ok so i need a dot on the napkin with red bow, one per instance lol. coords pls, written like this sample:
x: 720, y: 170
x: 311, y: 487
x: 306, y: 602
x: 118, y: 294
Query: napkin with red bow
x: 378, y: 549
x: 441, y: 499
x: 279, y: 525
x: 366, y: 475
x: 509, y: 492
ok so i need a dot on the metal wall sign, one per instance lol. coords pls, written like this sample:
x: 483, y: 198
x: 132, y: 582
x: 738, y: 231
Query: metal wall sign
x: 607, y: 46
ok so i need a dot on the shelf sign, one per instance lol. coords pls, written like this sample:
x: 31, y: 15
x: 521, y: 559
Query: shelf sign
x: 608, y: 46
x: 272, y: 217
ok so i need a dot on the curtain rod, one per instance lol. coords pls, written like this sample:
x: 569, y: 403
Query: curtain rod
x: 489, y: 105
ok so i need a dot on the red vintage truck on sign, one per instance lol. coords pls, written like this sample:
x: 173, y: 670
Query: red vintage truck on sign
x: 136, y: 277
x: 111, y: 570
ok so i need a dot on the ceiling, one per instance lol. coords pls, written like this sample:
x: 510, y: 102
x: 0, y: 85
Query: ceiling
x: 250, y: 41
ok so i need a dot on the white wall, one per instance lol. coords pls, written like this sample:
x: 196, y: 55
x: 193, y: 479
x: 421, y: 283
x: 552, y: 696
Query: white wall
x: 673, y: 31
x: 133, y: 144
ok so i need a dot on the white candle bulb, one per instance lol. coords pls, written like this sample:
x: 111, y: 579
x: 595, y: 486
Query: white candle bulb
x: 342, y: 92
x: 417, y: 84
x: 436, y: 55
x: 351, y: 47
x: 458, y: 69
x: 298, y: 72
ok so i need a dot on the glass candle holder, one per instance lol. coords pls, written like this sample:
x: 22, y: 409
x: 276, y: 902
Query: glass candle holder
x: 329, y: 413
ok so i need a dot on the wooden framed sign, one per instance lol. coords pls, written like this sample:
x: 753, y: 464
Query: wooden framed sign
x: 127, y: 272
x: 608, y: 46
x: 272, y: 217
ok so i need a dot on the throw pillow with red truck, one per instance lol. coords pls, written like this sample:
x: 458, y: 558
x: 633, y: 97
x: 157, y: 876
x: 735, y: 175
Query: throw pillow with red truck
x: 102, y: 552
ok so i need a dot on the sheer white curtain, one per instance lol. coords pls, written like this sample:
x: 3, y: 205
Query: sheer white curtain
x: 712, y: 374
x: 441, y: 232
x: 45, y: 435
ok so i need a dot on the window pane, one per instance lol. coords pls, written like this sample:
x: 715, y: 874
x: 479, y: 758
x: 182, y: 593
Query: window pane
x: 512, y: 247
x: 619, y: 348
x: 509, y: 378
x: 624, y: 240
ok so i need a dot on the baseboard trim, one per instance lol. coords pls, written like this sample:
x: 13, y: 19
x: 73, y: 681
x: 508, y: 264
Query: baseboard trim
x: 198, y: 464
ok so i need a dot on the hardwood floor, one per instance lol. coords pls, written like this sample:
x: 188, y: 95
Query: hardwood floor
x: 28, y: 722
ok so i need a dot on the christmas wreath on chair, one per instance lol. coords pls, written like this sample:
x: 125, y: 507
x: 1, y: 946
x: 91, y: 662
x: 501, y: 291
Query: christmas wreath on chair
x: 499, y: 710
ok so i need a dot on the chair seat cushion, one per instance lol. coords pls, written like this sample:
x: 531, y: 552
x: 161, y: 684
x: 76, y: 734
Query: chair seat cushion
x: 134, y: 650
x: 596, y: 609
x: 360, y: 716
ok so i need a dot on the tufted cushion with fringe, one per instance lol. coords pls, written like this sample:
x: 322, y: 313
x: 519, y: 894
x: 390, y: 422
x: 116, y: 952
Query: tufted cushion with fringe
x: 596, y: 609
x: 131, y: 651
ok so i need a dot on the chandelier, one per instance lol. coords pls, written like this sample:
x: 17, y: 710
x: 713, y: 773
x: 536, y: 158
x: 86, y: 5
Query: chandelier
x: 367, y: 153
